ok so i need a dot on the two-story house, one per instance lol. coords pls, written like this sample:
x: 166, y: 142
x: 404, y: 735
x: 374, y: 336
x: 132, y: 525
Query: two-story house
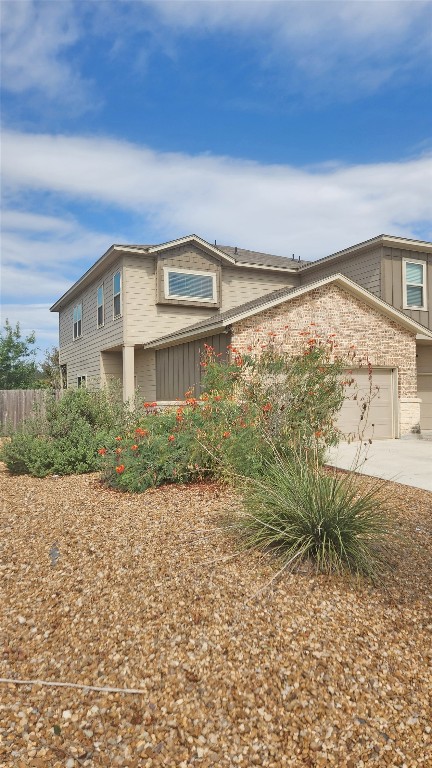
x: 141, y: 314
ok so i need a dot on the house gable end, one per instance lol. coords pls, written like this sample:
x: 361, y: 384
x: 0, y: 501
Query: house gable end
x: 188, y: 260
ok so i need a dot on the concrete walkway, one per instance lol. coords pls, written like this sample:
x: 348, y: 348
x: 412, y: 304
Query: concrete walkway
x: 407, y: 461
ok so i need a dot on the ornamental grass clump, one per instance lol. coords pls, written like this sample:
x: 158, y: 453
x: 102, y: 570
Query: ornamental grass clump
x: 302, y: 512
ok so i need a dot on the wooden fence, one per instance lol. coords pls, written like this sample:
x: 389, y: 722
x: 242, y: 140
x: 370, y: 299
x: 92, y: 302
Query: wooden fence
x: 17, y: 404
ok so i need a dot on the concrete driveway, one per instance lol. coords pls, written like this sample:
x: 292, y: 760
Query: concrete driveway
x: 407, y: 461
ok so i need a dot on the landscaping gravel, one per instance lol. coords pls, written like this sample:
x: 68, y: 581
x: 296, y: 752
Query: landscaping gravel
x: 147, y: 592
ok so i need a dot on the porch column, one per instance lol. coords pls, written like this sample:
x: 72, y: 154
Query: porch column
x: 128, y: 374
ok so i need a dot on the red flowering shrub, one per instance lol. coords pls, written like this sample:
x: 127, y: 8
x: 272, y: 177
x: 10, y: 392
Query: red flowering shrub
x: 248, y: 404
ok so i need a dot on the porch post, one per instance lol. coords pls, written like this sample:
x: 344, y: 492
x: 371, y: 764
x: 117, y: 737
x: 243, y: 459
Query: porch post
x: 128, y: 374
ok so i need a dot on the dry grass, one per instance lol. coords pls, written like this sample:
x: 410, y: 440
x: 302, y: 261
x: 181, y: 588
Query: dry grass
x: 146, y: 594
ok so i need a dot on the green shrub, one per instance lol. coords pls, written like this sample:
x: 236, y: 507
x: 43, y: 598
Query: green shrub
x: 101, y: 409
x: 65, y: 440
x: 301, y: 512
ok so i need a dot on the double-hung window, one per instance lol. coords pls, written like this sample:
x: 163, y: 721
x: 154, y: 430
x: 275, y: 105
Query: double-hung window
x: 81, y: 381
x: 77, y: 321
x: 100, y: 307
x: 415, y: 284
x: 117, y: 295
x: 189, y: 285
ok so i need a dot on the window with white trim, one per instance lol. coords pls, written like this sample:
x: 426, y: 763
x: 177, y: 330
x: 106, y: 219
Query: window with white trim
x: 117, y: 295
x: 190, y: 285
x: 77, y: 321
x: 414, y: 284
x: 100, y: 307
x: 81, y: 381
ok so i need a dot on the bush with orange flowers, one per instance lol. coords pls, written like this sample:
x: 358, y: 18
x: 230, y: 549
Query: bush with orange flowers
x: 248, y: 405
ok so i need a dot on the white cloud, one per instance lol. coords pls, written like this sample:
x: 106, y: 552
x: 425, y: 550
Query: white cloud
x: 36, y: 39
x: 277, y: 208
x: 35, y: 222
x: 41, y: 257
x: 31, y: 283
x: 54, y: 249
x: 325, y: 45
x: 334, y: 47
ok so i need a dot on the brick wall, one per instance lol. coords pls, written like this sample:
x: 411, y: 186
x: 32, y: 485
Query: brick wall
x: 335, y: 311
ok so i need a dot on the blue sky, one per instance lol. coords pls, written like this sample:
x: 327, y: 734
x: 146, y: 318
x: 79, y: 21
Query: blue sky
x: 289, y: 127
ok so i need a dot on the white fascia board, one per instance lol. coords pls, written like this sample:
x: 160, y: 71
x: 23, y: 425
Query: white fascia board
x: 404, y: 242
x: 267, y: 267
x: 130, y: 249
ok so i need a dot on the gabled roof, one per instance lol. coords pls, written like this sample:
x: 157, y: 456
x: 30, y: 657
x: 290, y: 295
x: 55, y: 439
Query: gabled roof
x: 219, y: 322
x: 258, y: 259
x: 227, y: 253
x: 384, y: 240
x: 237, y: 257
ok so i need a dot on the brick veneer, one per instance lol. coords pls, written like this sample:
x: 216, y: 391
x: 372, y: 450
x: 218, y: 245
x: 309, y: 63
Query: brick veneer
x: 335, y: 311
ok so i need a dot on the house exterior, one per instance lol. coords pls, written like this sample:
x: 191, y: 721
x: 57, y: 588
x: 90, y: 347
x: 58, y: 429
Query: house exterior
x: 141, y: 314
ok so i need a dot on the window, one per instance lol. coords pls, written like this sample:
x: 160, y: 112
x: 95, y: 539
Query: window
x: 187, y: 285
x: 77, y: 321
x: 81, y: 381
x: 100, y: 307
x: 414, y: 284
x: 117, y: 294
x: 63, y: 376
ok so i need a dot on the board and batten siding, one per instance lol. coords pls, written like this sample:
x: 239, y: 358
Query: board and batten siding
x: 424, y: 358
x: 392, y: 281
x: 363, y: 268
x: 178, y: 368
x: 83, y: 356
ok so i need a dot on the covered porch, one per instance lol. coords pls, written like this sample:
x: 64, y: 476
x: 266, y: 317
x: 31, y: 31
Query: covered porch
x: 133, y: 368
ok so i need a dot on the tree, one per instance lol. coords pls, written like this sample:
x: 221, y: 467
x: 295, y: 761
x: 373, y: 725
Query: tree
x: 50, y: 369
x: 17, y: 358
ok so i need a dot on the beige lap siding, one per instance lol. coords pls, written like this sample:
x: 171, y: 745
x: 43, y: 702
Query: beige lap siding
x: 376, y: 338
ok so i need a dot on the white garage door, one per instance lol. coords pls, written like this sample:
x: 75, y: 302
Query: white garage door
x: 381, y: 422
x: 424, y: 391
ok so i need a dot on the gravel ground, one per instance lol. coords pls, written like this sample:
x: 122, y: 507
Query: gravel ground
x: 147, y: 592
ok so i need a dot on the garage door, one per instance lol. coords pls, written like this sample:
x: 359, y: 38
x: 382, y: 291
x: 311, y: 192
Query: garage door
x: 381, y: 416
x: 424, y: 391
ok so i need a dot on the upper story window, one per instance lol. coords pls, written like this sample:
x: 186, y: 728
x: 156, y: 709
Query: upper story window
x: 190, y: 285
x: 77, y: 321
x: 100, y: 307
x: 117, y: 294
x: 415, y: 284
